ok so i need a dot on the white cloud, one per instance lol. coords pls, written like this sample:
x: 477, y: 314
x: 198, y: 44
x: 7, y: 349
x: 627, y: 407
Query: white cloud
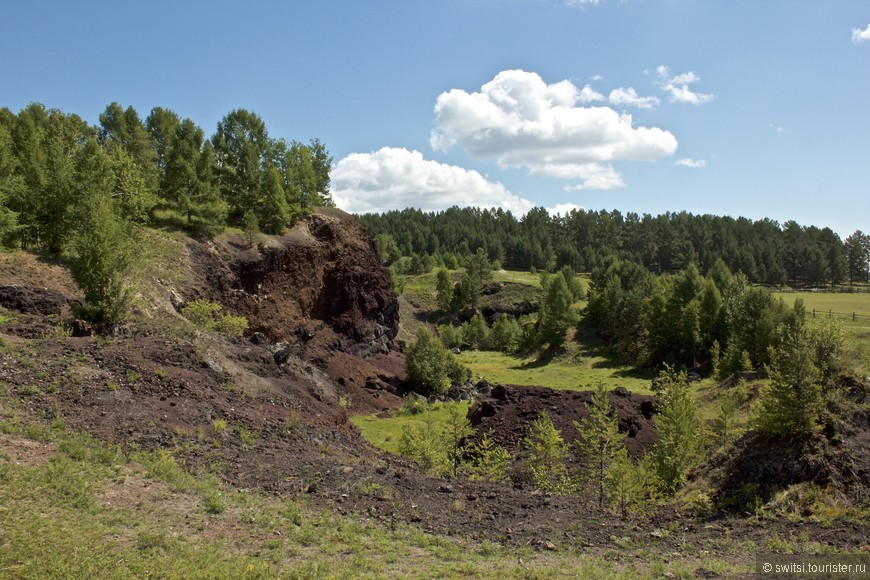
x: 563, y: 209
x: 589, y: 95
x: 678, y: 87
x: 778, y: 128
x: 859, y: 35
x: 520, y: 121
x: 693, y: 163
x: 582, y: 3
x: 630, y: 97
x: 393, y: 178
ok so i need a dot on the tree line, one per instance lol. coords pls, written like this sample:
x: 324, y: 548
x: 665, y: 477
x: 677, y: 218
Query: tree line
x: 763, y: 250
x: 52, y: 162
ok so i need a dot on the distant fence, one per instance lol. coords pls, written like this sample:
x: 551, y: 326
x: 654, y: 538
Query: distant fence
x: 853, y: 316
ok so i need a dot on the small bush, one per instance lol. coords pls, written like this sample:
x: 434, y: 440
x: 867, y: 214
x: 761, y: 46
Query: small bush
x: 207, y: 315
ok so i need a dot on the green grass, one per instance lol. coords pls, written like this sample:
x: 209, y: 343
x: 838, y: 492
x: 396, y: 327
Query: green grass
x: 385, y: 432
x: 573, y: 373
x: 841, y: 305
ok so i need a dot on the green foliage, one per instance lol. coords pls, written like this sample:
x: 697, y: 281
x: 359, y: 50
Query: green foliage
x: 488, y: 461
x: 427, y: 446
x: 387, y: 249
x: 206, y: 315
x: 251, y: 226
x: 475, y: 333
x: 546, y: 452
x: 557, y: 313
x: 103, y: 255
x: 451, y: 336
x: 505, y: 334
x: 626, y: 484
x: 725, y: 421
x: 679, y: 431
x: 599, y: 441
x: 428, y: 363
x: 444, y: 289
x: 792, y: 403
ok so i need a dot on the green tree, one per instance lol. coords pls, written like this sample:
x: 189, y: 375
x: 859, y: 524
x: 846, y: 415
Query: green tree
x: 104, y: 252
x: 428, y: 363
x: 679, y: 430
x: 557, y: 313
x: 444, y: 289
x: 251, y: 226
x: 273, y: 211
x: 546, y: 452
x: 242, y: 150
x: 489, y: 462
x: 387, y: 249
x: 505, y: 334
x: 456, y: 430
x: 599, y: 440
x: 475, y: 332
x: 792, y: 403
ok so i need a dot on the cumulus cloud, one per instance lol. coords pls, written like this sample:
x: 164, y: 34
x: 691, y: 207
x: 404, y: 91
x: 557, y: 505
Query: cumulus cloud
x: 589, y: 95
x: 693, y: 163
x: 396, y: 178
x: 859, y: 35
x: 520, y: 121
x: 563, y: 209
x: 678, y: 87
x: 630, y: 97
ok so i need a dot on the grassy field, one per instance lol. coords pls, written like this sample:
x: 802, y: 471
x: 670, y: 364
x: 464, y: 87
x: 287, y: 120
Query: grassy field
x: 384, y: 432
x: 573, y: 373
x: 840, y: 305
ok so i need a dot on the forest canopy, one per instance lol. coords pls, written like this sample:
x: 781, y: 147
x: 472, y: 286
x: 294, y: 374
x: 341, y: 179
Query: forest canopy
x: 763, y: 250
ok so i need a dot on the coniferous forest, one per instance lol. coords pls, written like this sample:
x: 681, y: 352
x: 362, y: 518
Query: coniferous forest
x: 765, y: 251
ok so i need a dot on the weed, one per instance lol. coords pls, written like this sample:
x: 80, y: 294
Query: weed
x: 345, y: 402
x: 248, y: 437
x: 112, y: 386
x: 29, y: 390
x: 213, y: 503
x: 133, y: 376
x: 219, y: 425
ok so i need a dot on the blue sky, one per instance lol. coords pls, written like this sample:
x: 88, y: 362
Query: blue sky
x: 733, y: 107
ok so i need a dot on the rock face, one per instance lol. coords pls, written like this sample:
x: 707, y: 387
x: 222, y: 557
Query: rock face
x: 322, y: 279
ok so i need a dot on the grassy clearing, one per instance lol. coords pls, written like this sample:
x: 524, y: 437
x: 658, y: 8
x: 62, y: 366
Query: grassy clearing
x: 385, y: 432
x: 73, y: 507
x: 569, y: 372
x: 841, y: 305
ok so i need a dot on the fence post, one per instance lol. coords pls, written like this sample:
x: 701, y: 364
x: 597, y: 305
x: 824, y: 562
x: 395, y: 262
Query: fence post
x: 853, y: 317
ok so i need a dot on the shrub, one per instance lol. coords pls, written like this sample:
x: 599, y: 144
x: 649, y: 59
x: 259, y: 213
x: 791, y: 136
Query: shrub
x: 429, y: 363
x: 206, y: 315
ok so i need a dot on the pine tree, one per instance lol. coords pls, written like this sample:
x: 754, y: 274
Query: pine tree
x: 104, y: 253
x: 557, y: 312
x: 546, y: 452
x: 792, y: 403
x: 444, y: 289
x: 679, y: 430
x: 599, y: 440
x: 273, y: 211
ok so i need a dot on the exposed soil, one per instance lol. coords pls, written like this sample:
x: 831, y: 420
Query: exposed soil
x: 327, y: 322
x: 510, y: 410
